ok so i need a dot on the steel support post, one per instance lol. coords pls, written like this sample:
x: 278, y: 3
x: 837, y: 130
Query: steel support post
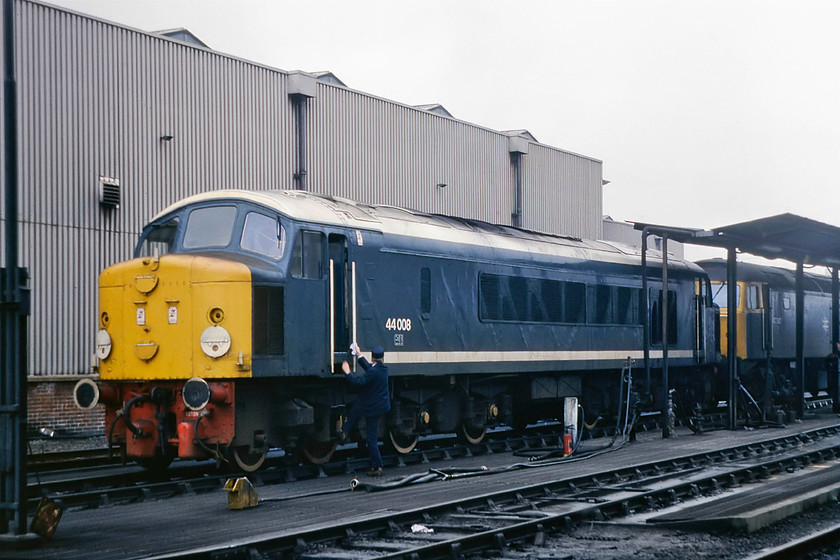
x: 799, y: 376
x: 12, y: 325
x: 834, y: 364
x: 732, y: 334
x: 646, y: 314
x: 667, y: 424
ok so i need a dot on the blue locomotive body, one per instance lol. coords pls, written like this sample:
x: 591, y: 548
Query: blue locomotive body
x: 481, y: 324
x: 766, y: 323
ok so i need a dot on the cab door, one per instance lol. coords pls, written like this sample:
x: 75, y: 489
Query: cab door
x: 707, y: 323
x: 308, y: 306
x: 754, y: 322
x: 341, y: 297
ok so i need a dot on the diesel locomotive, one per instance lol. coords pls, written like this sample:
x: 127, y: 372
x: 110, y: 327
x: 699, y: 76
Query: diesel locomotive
x: 224, y: 335
x: 766, y: 332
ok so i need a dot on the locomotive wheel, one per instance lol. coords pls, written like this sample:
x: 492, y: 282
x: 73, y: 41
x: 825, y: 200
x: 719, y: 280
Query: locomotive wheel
x: 246, y: 460
x: 472, y: 435
x: 402, y: 443
x: 319, y: 452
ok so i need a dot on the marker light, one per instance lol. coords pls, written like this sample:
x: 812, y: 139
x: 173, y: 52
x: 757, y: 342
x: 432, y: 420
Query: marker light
x: 215, y: 341
x: 196, y: 393
x: 103, y: 344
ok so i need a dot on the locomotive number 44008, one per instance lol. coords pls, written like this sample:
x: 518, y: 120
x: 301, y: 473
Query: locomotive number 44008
x: 393, y: 324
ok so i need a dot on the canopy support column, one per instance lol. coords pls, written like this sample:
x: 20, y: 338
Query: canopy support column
x: 732, y: 334
x: 799, y: 376
x: 834, y: 364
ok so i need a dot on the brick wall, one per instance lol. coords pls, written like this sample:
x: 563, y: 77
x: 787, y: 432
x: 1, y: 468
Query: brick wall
x: 51, y: 406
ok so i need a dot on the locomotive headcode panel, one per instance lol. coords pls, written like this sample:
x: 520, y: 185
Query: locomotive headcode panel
x: 224, y: 334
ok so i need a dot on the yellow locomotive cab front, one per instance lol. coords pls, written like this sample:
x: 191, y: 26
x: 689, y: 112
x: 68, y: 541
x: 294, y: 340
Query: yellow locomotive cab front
x: 176, y: 317
x: 174, y: 336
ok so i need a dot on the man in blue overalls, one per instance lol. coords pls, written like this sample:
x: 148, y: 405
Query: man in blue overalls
x: 372, y: 403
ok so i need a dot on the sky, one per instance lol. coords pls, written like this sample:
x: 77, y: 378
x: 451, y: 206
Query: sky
x: 705, y: 113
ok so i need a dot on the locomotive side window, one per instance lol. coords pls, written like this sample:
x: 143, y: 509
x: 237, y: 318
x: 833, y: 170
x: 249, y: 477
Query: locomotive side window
x: 425, y: 291
x: 550, y: 296
x: 209, y: 227
x: 574, y: 300
x: 614, y: 305
x: 307, y: 259
x: 264, y: 235
x: 159, y: 239
x: 656, y: 317
x: 530, y: 300
x: 600, y: 300
x: 627, y: 306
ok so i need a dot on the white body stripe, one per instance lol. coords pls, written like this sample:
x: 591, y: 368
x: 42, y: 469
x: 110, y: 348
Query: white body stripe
x: 526, y: 356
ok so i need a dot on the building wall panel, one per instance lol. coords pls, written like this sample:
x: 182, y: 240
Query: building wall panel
x: 563, y: 193
x: 379, y: 151
x: 95, y: 99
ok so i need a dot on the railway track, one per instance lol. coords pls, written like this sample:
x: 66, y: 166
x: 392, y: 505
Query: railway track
x: 820, y: 544
x: 94, y: 477
x: 89, y: 486
x: 526, y: 516
x: 547, y: 432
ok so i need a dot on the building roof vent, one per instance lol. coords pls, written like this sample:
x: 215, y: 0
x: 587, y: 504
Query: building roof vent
x: 435, y: 108
x: 183, y: 35
x: 109, y: 192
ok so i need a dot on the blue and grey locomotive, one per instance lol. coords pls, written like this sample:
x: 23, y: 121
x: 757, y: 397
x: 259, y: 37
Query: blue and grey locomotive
x: 224, y: 332
x: 766, y: 331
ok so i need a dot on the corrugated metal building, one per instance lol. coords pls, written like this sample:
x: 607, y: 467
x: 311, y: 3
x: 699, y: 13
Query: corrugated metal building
x: 115, y: 124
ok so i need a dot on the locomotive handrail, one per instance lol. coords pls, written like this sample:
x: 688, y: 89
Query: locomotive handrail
x: 330, y: 364
x: 353, y: 295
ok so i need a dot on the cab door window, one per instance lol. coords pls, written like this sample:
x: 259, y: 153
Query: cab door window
x: 753, y: 297
x: 307, y: 260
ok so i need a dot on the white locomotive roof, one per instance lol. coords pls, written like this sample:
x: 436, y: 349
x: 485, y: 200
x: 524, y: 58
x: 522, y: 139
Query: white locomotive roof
x: 329, y: 210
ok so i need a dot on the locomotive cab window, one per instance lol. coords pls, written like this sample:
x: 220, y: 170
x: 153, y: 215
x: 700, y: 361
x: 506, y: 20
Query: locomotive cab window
x: 159, y: 239
x: 263, y: 235
x: 209, y: 227
x: 720, y: 293
x: 307, y: 259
